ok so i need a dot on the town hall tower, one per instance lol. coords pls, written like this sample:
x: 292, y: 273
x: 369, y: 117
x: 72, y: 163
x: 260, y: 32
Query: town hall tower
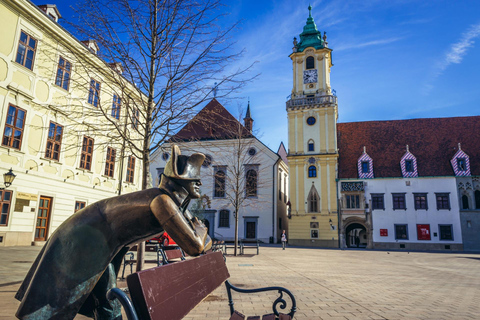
x: 312, y: 142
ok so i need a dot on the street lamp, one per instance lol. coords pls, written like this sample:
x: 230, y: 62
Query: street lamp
x: 8, y: 178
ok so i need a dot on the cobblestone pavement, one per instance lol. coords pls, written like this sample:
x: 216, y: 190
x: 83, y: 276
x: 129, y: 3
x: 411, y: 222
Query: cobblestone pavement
x: 328, y: 284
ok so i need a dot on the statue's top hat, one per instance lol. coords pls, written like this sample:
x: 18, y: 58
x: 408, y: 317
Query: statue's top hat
x: 184, y: 167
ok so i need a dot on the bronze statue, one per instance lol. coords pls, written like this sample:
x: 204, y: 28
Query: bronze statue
x: 80, y: 261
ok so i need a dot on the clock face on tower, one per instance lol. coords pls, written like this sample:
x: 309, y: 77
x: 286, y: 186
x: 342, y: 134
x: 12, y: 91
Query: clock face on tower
x: 310, y: 76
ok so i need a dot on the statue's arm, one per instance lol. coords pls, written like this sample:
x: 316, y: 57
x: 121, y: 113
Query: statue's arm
x: 191, y: 236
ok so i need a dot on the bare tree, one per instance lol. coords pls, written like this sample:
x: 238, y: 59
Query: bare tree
x: 176, y: 53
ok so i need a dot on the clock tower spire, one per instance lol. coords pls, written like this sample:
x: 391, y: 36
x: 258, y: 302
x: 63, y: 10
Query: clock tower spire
x: 312, y: 141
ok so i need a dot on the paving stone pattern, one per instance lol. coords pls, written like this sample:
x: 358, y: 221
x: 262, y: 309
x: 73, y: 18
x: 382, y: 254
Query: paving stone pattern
x: 328, y: 284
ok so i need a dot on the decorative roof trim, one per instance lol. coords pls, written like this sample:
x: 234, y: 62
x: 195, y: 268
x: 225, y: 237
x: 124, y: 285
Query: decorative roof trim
x: 409, y: 156
x: 364, y: 158
x: 461, y: 155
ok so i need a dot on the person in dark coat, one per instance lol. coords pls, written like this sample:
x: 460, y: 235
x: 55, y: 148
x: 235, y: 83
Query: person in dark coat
x: 80, y: 261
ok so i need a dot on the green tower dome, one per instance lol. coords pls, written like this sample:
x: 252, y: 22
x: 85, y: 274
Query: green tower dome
x: 310, y: 37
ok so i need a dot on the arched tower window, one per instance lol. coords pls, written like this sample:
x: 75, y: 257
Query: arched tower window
x: 311, y: 145
x: 313, y: 200
x: 312, y: 172
x: 477, y: 199
x: 465, y: 202
x: 251, y: 183
x: 310, y: 63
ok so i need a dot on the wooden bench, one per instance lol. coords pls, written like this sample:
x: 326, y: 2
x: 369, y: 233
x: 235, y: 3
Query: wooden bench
x: 229, y: 244
x: 171, y: 254
x: 171, y: 291
x: 249, y: 244
x: 129, y: 258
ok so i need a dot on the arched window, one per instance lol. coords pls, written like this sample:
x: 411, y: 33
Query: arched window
x: 313, y: 200
x: 251, y: 183
x: 219, y: 191
x: 310, y: 63
x: 477, y: 199
x: 312, y: 172
x: 465, y: 202
x: 311, y: 145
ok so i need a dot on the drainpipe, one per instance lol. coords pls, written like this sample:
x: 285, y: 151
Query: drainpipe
x: 274, y: 193
x: 122, y: 155
x: 339, y: 215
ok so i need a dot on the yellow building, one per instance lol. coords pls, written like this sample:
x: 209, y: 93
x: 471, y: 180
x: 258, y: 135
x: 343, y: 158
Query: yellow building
x: 54, y: 91
x: 312, y: 154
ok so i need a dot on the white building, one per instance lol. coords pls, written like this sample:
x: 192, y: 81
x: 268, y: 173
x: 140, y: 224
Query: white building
x: 233, y: 154
x: 401, y: 183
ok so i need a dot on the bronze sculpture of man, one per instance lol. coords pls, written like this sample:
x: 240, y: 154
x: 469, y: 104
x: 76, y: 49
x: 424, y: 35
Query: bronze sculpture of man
x: 80, y: 261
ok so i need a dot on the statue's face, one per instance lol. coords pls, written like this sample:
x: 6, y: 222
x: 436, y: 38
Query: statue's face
x: 192, y: 187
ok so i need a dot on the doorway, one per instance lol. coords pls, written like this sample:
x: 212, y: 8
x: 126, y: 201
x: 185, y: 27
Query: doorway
x: 251, y: 230
x: 43, y: 218
x: 356, y: 236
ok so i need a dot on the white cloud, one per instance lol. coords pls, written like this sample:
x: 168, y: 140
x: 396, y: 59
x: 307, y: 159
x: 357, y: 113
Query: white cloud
x: 366, y: 44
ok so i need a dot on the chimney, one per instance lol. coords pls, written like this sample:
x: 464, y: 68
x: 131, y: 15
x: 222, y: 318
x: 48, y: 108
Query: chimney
x: 117, y: 66
x: 248, y: 119
x: 91, y: 45
x: 51, y: 11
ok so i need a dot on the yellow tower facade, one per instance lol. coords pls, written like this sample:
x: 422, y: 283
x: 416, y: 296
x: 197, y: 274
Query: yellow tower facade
x: 312, y: 142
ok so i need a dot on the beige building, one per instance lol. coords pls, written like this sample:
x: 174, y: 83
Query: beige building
x: 59, y: 103
x: 312, y: 143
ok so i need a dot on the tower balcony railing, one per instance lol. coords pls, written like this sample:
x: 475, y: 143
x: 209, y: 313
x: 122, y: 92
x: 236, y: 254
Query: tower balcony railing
x: 316, y: 100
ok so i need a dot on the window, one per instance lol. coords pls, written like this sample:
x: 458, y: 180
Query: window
x: 135, y: 117
x: 251, y: 183
x: 160, y: 172
x: 285, y: 188
x: 5, y: 199
x: 224, y: 219
x: 399, y: 201
x: 313, y: 200
x: 130, y: 169
x: 280, y: 185
x: 312, y: 172
x: 87, y: 152
x: 465, y: 202
x: 252, y: 151
x: 314, y: 230
x: 13, y: 134
x: 311, y: 121
x: 54, y: 141
x: 26, y: 50
x: 94, y: 93
x: 420, y: 201
x: 63, y: 74
x: 311, y: 145
x: 219, y: 191
x: 353, y: 201
x: 409, y: 165
x: 365, y: 166
x: 110, y: 162
x: 423, y: 232
x: 401, y: 232
x: 280, y: 223
x: 377, y: 202
x: 310, y: 63
x: 477, y: 199
x: 443, y: 201
x: 206, y: 163
x: 446, y: 232
x: 79, y: 205
x: 117, y: 102
x: 461, y: 164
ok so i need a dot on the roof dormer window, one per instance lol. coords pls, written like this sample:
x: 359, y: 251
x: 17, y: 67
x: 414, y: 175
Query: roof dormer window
x: 365, y: 166
x: 408, y: 164
x: 461, y: 163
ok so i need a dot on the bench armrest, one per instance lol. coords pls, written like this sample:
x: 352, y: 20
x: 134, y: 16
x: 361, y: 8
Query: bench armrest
x: 127, y: 304
x: 280, y: 300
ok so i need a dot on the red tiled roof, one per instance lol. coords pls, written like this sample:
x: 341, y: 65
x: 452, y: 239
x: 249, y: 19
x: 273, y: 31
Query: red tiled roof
x: 213, y: 122
x: 432, y: 141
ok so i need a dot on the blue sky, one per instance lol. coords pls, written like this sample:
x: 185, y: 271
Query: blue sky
x: 392, y: 59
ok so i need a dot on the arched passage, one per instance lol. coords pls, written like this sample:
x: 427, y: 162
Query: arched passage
x: 356, y: 236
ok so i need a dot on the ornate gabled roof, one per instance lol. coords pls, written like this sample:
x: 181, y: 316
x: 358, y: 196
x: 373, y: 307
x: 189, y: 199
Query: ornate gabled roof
x: 310, y: 37
x: 213, y: 122
x: 434, y: 140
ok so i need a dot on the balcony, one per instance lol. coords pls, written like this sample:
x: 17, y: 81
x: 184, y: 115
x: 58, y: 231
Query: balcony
x: 310, y: 101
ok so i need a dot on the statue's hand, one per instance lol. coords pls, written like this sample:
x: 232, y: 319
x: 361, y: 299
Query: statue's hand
x: 202, y: 232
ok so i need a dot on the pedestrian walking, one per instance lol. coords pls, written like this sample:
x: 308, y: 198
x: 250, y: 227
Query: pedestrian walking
x: 284, y: 239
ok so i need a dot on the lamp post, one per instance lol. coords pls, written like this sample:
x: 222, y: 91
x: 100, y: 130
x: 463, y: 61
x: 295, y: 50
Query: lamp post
x: 8, y: 178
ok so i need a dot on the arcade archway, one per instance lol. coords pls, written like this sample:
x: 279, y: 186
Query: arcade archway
x: 356, y: 236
